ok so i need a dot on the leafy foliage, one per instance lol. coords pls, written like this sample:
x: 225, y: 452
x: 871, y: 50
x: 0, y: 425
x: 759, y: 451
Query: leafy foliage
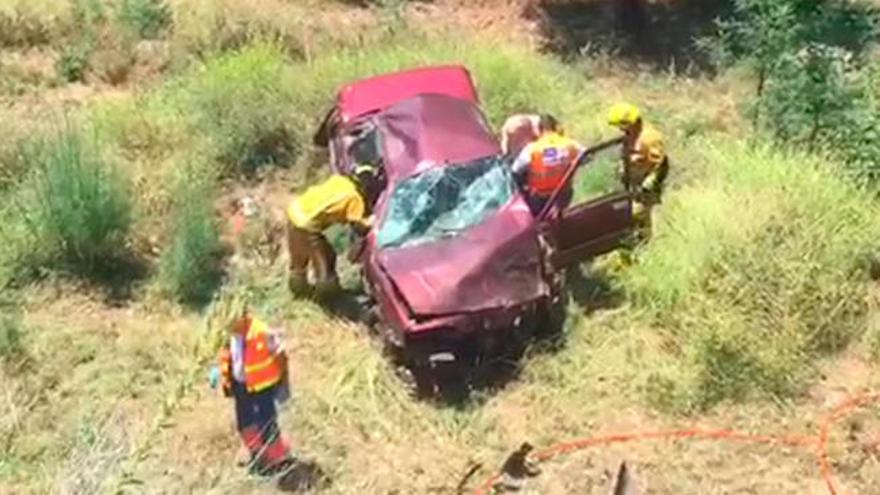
x: 807, y: 60
x: 150, y: 19
x: 73, y: 62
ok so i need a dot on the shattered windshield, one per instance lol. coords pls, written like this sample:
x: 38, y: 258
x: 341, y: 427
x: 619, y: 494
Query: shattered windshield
x: 445, y: 201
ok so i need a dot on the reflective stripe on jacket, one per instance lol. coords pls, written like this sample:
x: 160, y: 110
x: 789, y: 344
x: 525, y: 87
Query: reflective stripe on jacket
x: 336, y: 200
x: 551, y: 155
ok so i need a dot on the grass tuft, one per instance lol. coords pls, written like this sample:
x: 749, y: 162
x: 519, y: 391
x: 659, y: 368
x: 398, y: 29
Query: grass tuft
x: 149, y: 19
x: 189, y: 268
x: 241, y: 102
x: 76, y: 204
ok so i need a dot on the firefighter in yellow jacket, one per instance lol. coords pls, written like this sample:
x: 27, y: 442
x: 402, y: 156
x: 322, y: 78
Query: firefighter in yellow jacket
x: 341, y: 199
x: 252, y: 367
x: 645, y: 164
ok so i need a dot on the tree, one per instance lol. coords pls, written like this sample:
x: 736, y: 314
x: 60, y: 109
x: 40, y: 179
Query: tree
x: 758, y: 35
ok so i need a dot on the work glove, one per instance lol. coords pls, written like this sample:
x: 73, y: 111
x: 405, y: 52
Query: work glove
x: 214, y: 377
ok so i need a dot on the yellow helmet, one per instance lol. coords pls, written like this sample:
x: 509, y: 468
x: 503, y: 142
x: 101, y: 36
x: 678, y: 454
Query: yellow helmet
x: 623, y: 114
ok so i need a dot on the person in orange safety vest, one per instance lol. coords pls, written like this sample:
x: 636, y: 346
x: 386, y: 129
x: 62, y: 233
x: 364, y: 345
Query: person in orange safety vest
x: 253, y: 371
x: 542, y: 164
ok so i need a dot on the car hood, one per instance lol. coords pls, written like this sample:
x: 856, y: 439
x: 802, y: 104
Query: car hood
x: 494, y: 264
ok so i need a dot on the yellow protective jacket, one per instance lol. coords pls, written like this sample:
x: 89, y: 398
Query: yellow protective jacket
x: 336, y: 200
x: 644, y: 159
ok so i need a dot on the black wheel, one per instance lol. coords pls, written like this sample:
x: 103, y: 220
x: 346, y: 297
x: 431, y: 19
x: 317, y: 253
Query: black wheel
x: 452, y: 381
x: 418, y: 379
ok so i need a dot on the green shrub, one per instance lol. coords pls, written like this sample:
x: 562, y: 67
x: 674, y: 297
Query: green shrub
x: 75, y: 204
x: 149, y: 19
x: 72, y: 63
x: 754, y: 271
x: 808, y: 95
x: 189, y: 267
x: 807, y: 57
x: 242, y: 103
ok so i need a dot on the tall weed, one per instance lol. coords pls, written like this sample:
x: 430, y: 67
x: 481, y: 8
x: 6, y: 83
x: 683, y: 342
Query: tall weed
x: 189, y: 268
x: 76, y: 204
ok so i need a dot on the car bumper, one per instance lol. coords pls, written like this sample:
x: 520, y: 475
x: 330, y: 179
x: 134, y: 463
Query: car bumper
x: 483, y: 331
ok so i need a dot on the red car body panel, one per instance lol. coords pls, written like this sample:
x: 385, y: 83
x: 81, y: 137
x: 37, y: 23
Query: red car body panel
x: 494, y: 264
x: 429, y: 131
x: 377, y: 93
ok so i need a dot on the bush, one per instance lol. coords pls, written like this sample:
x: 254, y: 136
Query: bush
x: 808, y: 95
x: 242, y: 103
x: 72, y: 63
x: 75, y: 204
x: 149, y: 19
x: 189, y: 267
x: 754, y: 272
x: 807, y: 59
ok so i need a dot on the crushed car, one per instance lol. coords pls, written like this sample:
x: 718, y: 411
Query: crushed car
x: 457, y: 268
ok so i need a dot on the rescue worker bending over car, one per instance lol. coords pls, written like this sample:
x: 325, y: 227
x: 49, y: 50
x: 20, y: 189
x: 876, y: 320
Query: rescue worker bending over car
x: 339, y: 199
x: 542, y: 164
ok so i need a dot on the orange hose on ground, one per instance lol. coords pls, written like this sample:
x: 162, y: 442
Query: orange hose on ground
x: 819, y: 442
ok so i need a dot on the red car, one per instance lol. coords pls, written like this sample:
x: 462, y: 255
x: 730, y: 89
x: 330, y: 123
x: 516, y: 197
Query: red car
x: 456, y: 267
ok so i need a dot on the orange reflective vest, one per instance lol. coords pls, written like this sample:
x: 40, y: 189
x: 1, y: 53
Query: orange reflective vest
x: 261, y: 368
x: 552, y: 154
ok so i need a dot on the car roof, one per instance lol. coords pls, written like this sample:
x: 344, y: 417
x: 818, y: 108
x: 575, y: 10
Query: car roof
x: 377, y: 93
x: 432, y: 130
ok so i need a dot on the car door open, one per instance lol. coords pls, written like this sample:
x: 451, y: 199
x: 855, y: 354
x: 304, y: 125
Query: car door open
x: 590, y: 229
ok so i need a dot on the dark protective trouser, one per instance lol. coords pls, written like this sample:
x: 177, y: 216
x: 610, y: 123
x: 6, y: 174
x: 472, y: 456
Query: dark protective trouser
x: 643, y: 209
x: 257, y: 421
x: 310, y: 249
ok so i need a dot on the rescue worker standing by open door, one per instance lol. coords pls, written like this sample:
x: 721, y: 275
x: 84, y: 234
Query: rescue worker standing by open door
x: 542, y: 164
x: 339, y: 199
x: 252, y: 367
x: 645, y: 164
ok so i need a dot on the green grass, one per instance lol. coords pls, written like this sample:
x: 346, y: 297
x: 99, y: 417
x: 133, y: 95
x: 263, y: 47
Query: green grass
x: 76, y: 205
x: 242, y: 104
x: 755, y: 271
x: 189, y: 267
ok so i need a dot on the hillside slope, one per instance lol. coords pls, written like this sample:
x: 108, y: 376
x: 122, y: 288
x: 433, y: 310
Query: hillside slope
x: 751, y: 309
